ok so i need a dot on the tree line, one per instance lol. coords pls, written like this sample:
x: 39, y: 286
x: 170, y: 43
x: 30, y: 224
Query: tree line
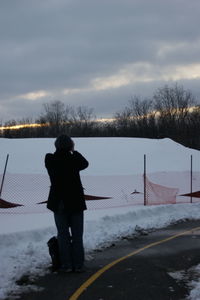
x: 171, y: 112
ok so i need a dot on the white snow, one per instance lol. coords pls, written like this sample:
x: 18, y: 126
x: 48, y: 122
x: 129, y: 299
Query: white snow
x: 191, y: 278
x: 23, y: 235
x: 194, y: 285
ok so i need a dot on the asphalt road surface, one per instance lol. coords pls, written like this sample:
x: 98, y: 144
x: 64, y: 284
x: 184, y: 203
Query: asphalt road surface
x: 134, y: 268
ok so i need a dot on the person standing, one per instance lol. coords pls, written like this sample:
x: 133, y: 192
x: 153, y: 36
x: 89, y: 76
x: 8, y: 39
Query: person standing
x: 66, y: 200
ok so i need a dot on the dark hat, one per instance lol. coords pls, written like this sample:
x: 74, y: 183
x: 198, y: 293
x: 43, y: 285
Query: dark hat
x: 64, y: 142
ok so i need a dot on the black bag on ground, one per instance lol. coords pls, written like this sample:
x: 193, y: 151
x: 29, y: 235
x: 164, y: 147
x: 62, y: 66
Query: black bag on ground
x: 54, y: 253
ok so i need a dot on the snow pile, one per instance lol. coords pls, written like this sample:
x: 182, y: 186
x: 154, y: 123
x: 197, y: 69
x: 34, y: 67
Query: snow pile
x: 191, y: 278
x: 107, y: 156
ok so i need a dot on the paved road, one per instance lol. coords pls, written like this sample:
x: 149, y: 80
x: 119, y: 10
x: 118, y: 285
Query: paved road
x: 135, y: 268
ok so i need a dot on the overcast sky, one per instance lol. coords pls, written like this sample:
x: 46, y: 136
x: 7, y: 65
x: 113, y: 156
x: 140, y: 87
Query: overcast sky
x: 96, y: 53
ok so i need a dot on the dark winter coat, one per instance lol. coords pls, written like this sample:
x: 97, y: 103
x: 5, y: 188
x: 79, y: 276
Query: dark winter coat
x: 66, y: 189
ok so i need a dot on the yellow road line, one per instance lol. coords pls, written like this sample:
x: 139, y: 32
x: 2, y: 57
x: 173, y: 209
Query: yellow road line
x: 90, y: 280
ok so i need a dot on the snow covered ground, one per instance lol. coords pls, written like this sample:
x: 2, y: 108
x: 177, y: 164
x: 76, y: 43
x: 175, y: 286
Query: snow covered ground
x: 24, y: 233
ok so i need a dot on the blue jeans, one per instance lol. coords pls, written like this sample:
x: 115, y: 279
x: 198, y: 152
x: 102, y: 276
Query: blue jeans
x: 70, y: 238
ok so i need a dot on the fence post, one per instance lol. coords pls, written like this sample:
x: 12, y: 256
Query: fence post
x: 191, y: 175
x: 145, y: 190
x: 4, y: 172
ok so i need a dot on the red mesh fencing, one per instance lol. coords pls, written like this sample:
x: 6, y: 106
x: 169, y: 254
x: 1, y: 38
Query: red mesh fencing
x: 172, y: 187
x: 159, y: 194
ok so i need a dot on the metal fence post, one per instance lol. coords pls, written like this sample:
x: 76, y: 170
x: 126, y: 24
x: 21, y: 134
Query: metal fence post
x: 145, y: 191
x: 4, y: 172
x: 191, y: 175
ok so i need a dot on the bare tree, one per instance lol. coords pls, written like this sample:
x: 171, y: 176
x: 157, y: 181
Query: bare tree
x: 173, y: 105
x: 82, y: 120
x: 60, y: 118
x: 138, y: 118
x: 54, y: 116
x: 193, y: 125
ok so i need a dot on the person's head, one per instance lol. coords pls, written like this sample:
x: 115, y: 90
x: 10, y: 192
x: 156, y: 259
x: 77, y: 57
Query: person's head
x: 64, y: 142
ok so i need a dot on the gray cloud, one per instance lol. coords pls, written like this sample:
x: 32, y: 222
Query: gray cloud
x: 95, y: 50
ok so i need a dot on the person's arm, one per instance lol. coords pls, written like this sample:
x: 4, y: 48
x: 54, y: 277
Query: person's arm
x: 49, y: 165
x: 79, y: 161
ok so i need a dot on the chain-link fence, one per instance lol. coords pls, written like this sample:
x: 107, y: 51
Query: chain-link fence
x: 27, y: 193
